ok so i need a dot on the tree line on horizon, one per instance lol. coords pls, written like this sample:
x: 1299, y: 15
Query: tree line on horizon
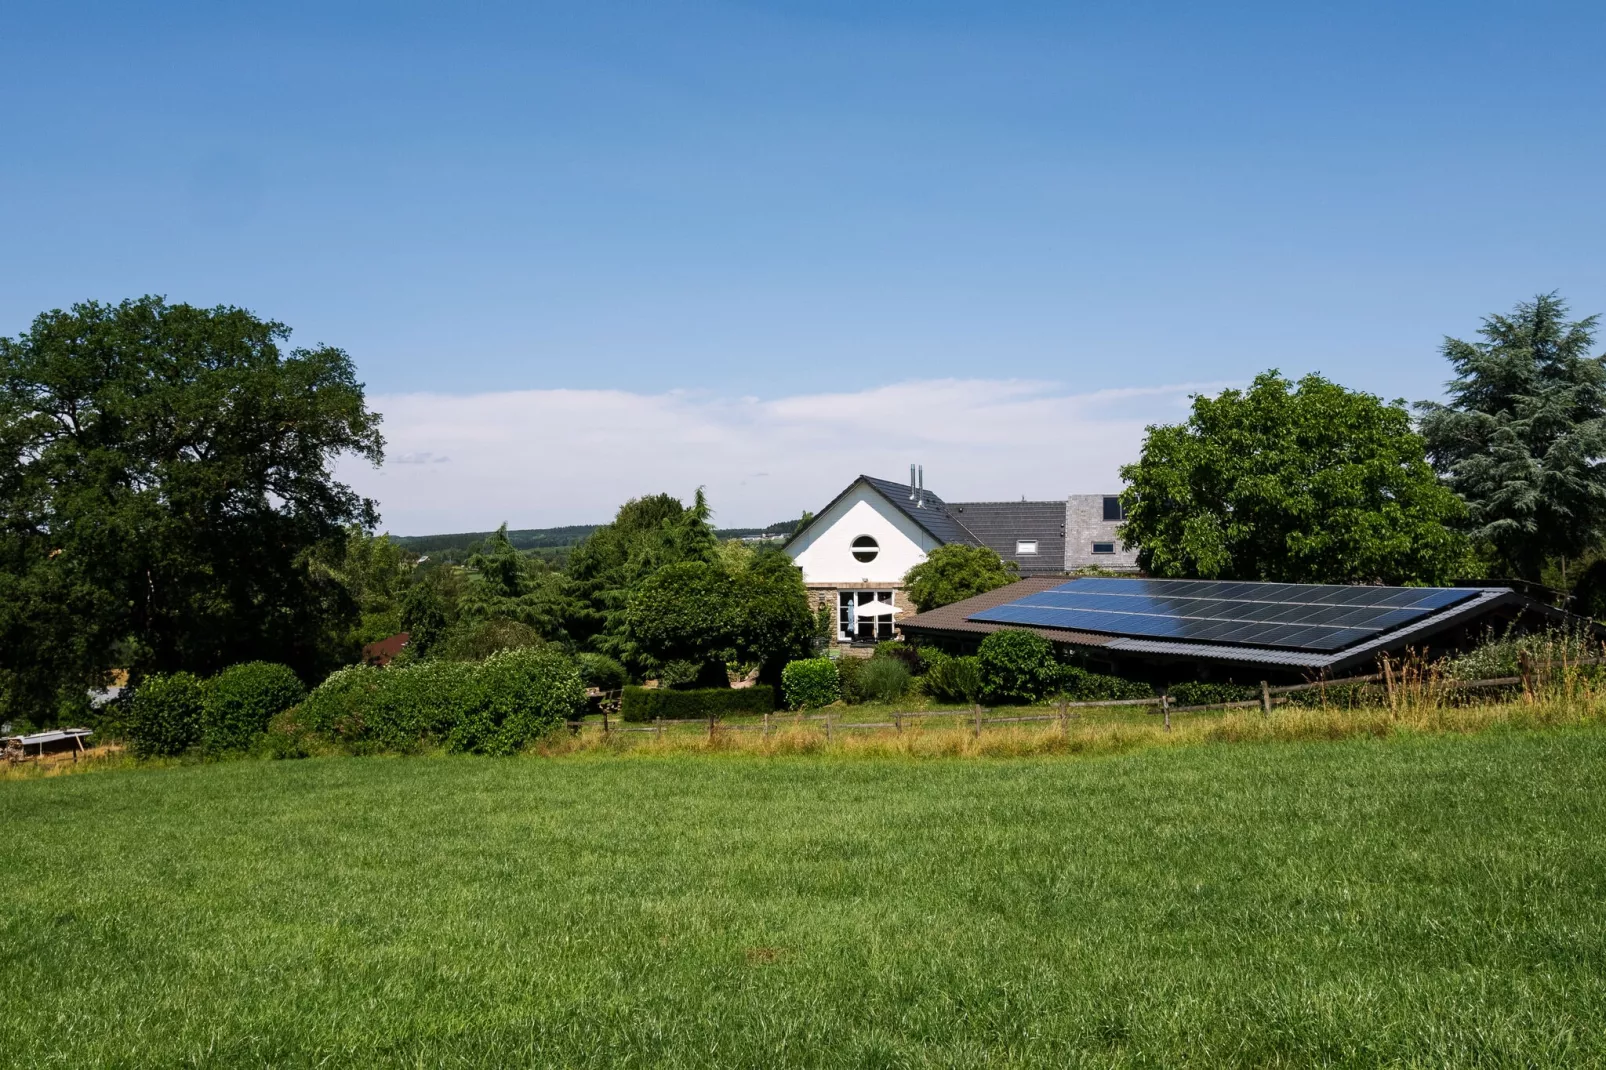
x: 168, y: 503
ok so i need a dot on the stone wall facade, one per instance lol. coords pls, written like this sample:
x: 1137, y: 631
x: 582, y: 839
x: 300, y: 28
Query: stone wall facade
x: 1086, y: 528
x: 828, y: 595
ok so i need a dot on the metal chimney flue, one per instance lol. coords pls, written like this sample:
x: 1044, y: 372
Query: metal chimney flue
x: 920, y: 491
x: 911, y: 482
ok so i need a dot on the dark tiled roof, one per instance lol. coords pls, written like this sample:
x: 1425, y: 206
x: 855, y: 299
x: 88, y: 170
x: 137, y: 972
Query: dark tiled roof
x: 953, y: 620
x: 1001, y: 524
x: 932, y: 514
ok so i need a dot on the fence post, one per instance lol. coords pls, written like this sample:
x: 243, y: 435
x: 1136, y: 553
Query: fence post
x: 710, y: 726
x: 897, y: 721
x: 1388, y: 679
x: 1063, y: 702
x: 1265, y: 700
x: 660, y: 720
x: 976, y: 709
x: 766, y: 726
x: 604, y: 706
x: 1165, y: 708
x: 828, y: 726
x: 1525, y: 670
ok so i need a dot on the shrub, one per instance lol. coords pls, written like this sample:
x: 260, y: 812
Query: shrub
x: 285, y: 738
x: 1080, y: 685
x: 165, y: 718
x: 810, y: 682
x: 882, y: 680
x: 1017, y: 666
x: 1200, y: 693
x: 601, y: 672
x: 907, y: 653
x: 491, y: 707
x: 848, y: 669
x: 241, y: 700
x: 951, y: 679
x: 521, y: 695
x: 650, y: 703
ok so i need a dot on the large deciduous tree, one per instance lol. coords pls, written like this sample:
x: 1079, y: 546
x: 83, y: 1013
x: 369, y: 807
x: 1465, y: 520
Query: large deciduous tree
x: 1306, y: 483
x: 165, y: 483
x: 955, y: 572
x: 1523, y: 437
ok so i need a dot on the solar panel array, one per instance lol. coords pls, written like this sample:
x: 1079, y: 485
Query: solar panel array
x: 1296, y: 616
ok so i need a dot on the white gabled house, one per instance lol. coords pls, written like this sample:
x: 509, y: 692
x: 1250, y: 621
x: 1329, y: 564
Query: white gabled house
x: 855, y: 552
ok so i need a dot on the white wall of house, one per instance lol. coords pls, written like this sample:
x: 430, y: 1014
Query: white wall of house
x: 825, y: 551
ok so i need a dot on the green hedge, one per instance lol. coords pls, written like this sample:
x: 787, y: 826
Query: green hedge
x: 495, y: 706
x: 1080, y: 685
x: 1200, y: 693
x: 1016, y: 666
x: 951, y: 679
x: 650, y: 703
x: 165, y: 716
x: 602, y: 672
x: 810, y: 683
x: 241, y: 700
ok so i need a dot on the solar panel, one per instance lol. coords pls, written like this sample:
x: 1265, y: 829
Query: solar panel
x: 1295, y: 616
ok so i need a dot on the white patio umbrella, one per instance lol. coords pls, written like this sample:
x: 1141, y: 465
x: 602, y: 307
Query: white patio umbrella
x: 877, y: 609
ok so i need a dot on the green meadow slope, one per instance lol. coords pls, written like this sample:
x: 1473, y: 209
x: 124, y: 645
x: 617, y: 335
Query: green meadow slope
x: 1432, y: 901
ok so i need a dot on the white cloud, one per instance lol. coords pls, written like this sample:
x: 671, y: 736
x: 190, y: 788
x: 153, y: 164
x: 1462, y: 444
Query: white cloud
x: 537, y: 458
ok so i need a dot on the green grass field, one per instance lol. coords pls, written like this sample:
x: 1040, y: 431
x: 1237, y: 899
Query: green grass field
x: 1432, y: 901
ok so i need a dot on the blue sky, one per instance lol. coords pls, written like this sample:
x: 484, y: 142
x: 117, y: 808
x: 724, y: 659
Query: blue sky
x: 778, y: 200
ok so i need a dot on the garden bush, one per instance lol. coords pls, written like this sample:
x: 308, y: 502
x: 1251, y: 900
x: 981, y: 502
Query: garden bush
x: 520, y: 696
x: 650, y: 703
x: 491, y: 707
x: 951, y: 679
x: 882, y: 680
x: 165, y: 715
x: 810, y: 682
x: 1017, y: 666
x: 1201, y: 693
x: 1080, y: 685
x: 847, y: 678
x: 601, y: 672
x: 907, y: 653
x: 241, y: 700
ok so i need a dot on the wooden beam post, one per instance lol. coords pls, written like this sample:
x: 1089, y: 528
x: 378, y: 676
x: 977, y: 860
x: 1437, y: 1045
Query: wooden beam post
x: 1165, y: 708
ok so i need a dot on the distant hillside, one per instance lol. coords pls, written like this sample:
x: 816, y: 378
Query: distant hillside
x: 558, y: 538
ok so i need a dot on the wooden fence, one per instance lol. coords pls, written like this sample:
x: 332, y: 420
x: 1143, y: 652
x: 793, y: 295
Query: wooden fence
x: 979, y: 717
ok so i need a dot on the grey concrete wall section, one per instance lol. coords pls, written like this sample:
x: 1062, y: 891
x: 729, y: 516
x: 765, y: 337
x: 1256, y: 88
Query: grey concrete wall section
x: 1084, y: 526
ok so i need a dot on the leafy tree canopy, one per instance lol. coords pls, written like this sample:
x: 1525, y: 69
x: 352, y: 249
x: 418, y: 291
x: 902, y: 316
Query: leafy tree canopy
x: 955, y: 572
x: 1306, y: 483
x: 647, y: 534
x: 165, y: 480
x: 1523, y: 438
x: 692, y: 617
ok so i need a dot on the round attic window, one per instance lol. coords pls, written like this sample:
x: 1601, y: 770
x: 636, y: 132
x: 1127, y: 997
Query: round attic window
x: 865, y: 548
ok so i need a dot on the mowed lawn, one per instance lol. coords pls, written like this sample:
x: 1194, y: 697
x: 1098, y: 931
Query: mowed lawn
x: 1425, y: 902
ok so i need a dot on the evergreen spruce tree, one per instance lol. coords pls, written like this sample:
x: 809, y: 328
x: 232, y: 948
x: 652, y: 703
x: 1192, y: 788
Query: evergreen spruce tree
x: 1523, y: 438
